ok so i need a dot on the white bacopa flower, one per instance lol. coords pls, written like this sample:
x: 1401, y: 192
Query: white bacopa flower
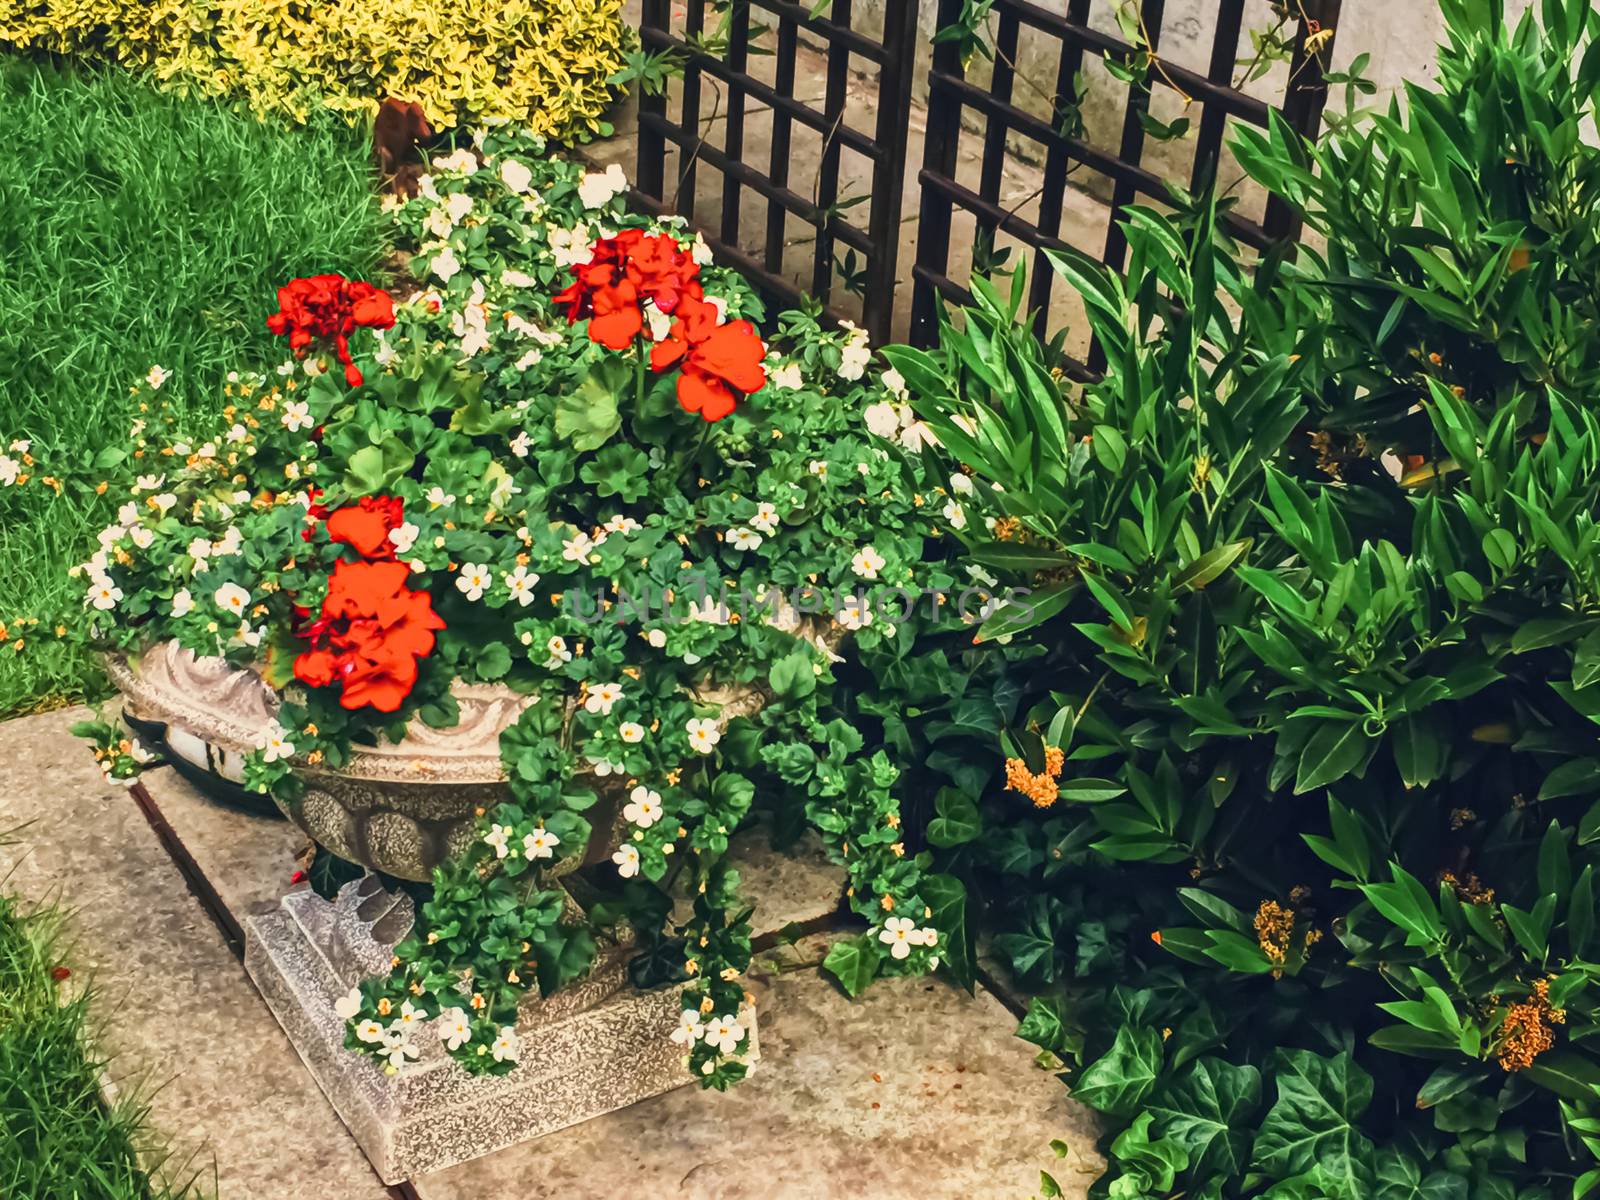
x: 148, y: 483
x: 163, y: 502
x: 462, y: 160
x: 515, y: 175
x: 643, y: 807
x: 455, y: 1030
x: 458, y: 205
x: 818, y: 468
x: 882, y: 419
x: 627, y: 860
x: 507, y: 1046
x: 157, y: 376
x: 142, y: 537
x: 520, y: 584
x: 725, y: 1033
x: 710, y: 611
x: 961, y: 485
x: 786, y: 377
x: 570, y: 247
x: 438, y: 223
x: 867, y: 562
x: 104, y: 594
x: 445, y: 265
x: 688, y: 1030
x: 297, y: 416
x: 369, y: 1031
x: 10, y: 468
x: 237, y: 433
x: 927, y: 936
x: 499, y: 837
x: 955, y: 514
x: 703, y: 734
x: 631, y: 732
x: 602, y: 698
x: 577, y: 548
x: 855, y: 355
x: 854, y: 614
x: 657, y: 324
x: 274, y: 743
x: 766, y: 518
x: 917, y: 435
x: 621, y: 524
x: 182, y: 603
x: 531, y: 358
x: 348, y: 1005
x: 438, y: 497
x: 403, y: 537
x: 744, y: 539
x: 398, y: 1050
x: 521, y: 444
x: 472, y: 579
x: 541, y: 843
x: 899, y: 934
x: 895, y: 384
x: 557, y: 648
x: 656, y: 637
x: 230, y: 597
x: 232, y: 542
x: 21, y: 445
x: 597, y: 188
x: 700, y: 251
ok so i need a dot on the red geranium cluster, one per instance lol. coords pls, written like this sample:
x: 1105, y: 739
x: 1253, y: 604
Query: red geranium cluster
x: 330, y: 308
x: 720, y: 359
x: 372, y: 627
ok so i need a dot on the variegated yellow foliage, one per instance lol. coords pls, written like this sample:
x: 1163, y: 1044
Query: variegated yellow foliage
x: 542, y: 63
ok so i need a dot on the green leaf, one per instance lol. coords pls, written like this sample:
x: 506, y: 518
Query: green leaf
x: 946, y: 897
x: 1566, y: 1073
x: 1407, y: 903
x: 1210, y: 566
x: 853, y: 963
x: 958, y: 820
x: 587, y: 415
x: 1331, y: 753
x: 492, y: 661
x: 1211, y: 1111
x: 1086, y: 789
x: 1312, y: 1123
x: 1117, y: 1082
x: 1043, y: 1025
x: 793, y: 677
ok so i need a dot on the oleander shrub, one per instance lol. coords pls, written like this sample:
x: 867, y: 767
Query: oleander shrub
x: 1295, y: 838
x: 540, y: 63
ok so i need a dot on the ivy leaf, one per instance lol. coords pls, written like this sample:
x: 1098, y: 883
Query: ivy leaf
x: 621, y: 471
x: 1312, y: 1121
x: 1118, y: 1081
x: 1043, y: 1025
x: 1210, y: 1111
x: 853, y: 963
x: 946, y: 896
x: 1398, y: 1177
x: 958, y: 821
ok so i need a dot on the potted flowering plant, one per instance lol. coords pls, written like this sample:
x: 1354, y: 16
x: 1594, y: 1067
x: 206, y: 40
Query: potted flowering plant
x: 568, y: 472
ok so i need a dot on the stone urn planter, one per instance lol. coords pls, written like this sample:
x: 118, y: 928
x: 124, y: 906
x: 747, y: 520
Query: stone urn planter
x: 400, y: 809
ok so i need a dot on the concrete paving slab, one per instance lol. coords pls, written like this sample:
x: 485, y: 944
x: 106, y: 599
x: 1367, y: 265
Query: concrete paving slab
x: 180, y: 1019
x: 913, y: 1089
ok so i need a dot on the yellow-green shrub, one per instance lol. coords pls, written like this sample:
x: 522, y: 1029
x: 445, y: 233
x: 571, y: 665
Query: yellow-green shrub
x: 540, y: 62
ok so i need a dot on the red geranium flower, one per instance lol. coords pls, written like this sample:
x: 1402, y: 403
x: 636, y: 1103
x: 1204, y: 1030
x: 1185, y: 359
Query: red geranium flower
x: 330, y: 308
x: 719, y: 360
x: 372, y: 630
x: 622, y: 275
x: 365, y: 526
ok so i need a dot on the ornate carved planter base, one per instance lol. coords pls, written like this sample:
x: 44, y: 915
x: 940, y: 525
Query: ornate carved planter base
x: 586, y: 1052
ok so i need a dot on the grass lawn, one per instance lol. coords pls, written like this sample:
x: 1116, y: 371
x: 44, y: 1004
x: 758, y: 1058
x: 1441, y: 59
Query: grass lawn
x: 139, y: 229
x: 57, y: 1139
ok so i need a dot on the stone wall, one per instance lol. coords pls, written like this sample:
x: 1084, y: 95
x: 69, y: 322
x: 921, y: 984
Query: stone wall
x: 1399, y: 35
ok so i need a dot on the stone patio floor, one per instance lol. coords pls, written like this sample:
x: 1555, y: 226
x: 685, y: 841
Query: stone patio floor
x: 914, y: 1090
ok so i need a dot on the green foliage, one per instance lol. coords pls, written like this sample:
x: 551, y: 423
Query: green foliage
x: 548, y: 65
x: 57, y: 1137
x: 1297, y: 828
x: 108, y: 266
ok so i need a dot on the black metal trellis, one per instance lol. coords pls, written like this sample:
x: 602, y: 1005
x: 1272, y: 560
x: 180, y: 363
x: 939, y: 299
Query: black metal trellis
x: 953, y: 98
x: 761, y: 256
x: 951, y: 95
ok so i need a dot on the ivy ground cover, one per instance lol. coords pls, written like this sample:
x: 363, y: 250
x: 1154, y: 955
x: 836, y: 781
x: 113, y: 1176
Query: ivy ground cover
x: 139, y: 228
